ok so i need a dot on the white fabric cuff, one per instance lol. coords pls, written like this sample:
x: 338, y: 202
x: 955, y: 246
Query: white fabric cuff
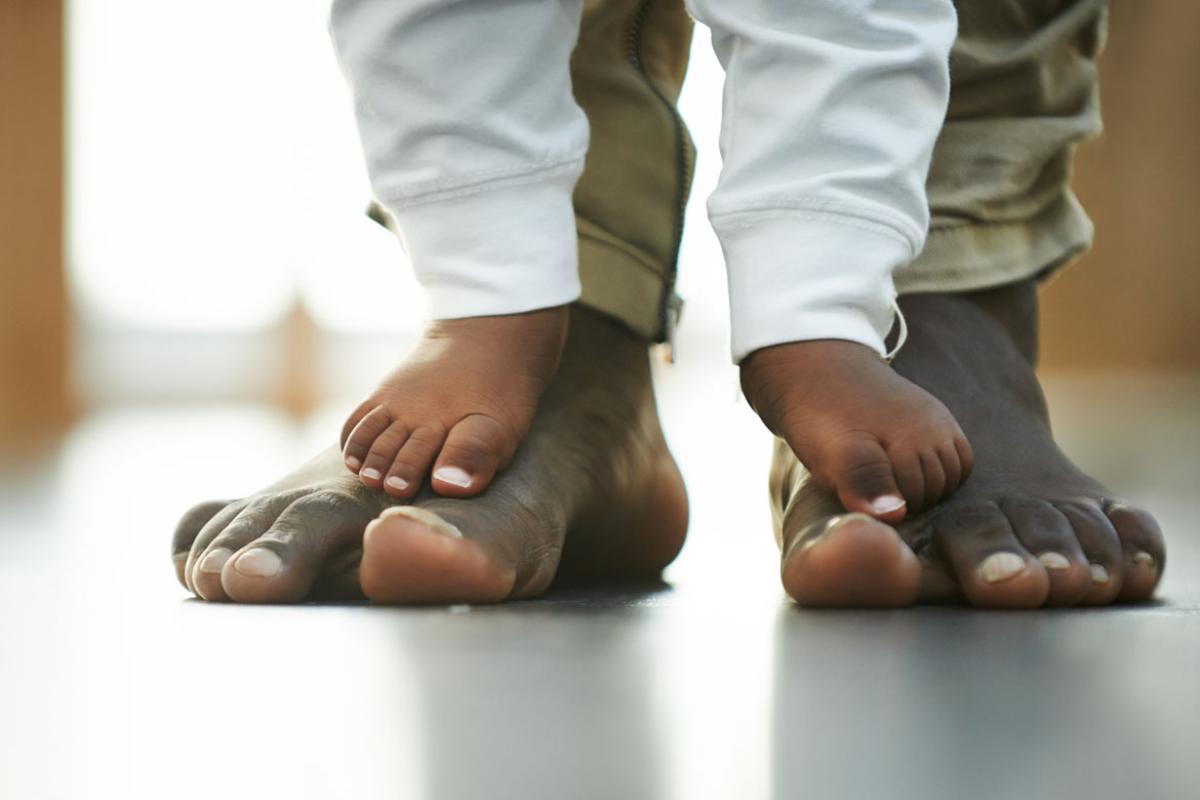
x: 799, y: 277
x: 496, y: 249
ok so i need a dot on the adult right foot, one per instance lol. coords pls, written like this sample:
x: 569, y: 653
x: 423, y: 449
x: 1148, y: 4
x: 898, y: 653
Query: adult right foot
x: 592, y: 491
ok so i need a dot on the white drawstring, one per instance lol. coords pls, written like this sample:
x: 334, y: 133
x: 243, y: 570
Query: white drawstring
x: 902, y: 337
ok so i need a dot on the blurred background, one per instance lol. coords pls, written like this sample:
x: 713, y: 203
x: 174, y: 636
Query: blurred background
x: 181, y: 217
x: 191, y: 297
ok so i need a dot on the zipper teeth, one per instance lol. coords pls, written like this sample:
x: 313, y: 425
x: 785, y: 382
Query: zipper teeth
x: 633, y: 48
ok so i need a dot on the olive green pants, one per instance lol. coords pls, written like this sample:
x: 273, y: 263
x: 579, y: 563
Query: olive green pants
x: 1024, y: 93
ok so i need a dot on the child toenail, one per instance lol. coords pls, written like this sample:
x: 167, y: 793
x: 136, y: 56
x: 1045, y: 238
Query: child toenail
x: 1099, y: 573
x: 887, y: 504
x: 215, y: 559
x: 372, y: 473
x: 1143, y: 559
x: 1053, y: 560
x: 353, y: 463
x: 1001, y: 566
x: 259, y: 562
x: 396, y: 482
x: 453, y: 476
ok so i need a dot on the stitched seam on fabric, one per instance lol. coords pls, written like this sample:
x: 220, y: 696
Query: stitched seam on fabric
x: 485, y: 181
x: 749, y: 218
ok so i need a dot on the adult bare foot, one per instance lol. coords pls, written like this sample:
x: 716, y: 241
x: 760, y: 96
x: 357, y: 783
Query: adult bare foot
x: 593, y: 490
x: 460, y: 403
x: 1028, y: 528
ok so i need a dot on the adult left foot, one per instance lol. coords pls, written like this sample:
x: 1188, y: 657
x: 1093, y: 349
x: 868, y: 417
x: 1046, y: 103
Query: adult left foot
x: 1027, y: 529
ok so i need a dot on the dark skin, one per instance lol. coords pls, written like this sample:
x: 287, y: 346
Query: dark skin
x: 593, y: 492
x: 594, y: 489
x: 1028, y: 528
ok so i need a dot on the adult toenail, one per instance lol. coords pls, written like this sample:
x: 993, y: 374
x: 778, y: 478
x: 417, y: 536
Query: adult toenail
x: 1143, y: 559
x: 1000, y: 567
x: 372, y: 473
x: 1053, y: 560
x: 258, y: 562
x: 396, y: 482
x: 887, y: 504
x: 215, y: 559
x: 427, y: 518
x: 453, y: 476
x: 353, y: 463
x: 1099, y: 573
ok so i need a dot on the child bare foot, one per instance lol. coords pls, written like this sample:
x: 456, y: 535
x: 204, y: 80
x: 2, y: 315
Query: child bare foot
x: 882, y: 444
x: 461, y: 402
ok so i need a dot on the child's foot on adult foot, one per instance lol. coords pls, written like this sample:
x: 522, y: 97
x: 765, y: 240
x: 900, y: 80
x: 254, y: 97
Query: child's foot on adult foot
x: 883, y: 445
x: 460, y: 404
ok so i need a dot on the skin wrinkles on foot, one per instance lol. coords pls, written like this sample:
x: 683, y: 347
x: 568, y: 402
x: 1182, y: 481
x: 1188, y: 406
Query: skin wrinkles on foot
x: 1028, y: 528
x: 592, y: 492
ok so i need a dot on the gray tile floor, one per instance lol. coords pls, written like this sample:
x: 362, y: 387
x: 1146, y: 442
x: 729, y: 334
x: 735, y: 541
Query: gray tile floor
x: 113, y: 684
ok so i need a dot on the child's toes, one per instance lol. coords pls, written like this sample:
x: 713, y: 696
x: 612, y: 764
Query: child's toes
x: 910, y: 476
x: 865, y: 481
x: 475, y: 448
x: 412, y: 463
x: 382, y: 453
x: 935, y: 477
x: 363, y: 435
x: 951, y: 465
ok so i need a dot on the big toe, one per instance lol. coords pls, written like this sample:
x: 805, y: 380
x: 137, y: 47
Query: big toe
x: 412, y: 555
x: 850, y: 560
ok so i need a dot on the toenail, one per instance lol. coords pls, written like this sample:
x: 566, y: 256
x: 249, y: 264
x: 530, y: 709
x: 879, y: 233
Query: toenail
x: 453, y: 476
x: 1053, y: 560
x: 887, y: 504
x: 372, y: 473
x: 396, y: 482
x: 1144, y: 559
x: 353, y: 463
x: 1000, y: 567
x: 1099, y: 573
x: 215, y: 559
x: 426, y: 518
x: 259, y: 562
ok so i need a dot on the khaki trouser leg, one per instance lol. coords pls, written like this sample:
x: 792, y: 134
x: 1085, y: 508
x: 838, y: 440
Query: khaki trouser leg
x: 626, y: 71
x: 1023, y: 95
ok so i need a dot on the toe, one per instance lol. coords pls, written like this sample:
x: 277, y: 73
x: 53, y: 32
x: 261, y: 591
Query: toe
x: 951, y: 467
x: 282, y: 564
x: 910, y: 477
x: 1142, y: 547
x: 991, y: 565
x: 211, y: 529
x: 412, y: 555
x: 935, y: 477
x: 474, y: 449
x: 850, y: 560
x: 412, y: 463
x: 357, y: 443
x: 382, y: 454
x: 1048, y: 535
x: 250, y: 523
x: 186, y: 531
x: 865, y: 483
x: 1098, y: 539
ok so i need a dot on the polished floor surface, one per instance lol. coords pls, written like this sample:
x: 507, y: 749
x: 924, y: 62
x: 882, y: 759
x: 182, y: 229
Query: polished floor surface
x: 114, y: 684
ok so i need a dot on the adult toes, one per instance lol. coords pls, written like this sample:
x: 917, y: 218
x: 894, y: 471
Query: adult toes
x: 850, y: 560
x: 1098, y: 539
x: 208, y: 532
x: 186, y: 531
x: 1048, y: 535
x: 474, y: 449
x: 992, y: 566
x: 1145, y: 554
x: 250, y: 523
x: 282, y: 564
